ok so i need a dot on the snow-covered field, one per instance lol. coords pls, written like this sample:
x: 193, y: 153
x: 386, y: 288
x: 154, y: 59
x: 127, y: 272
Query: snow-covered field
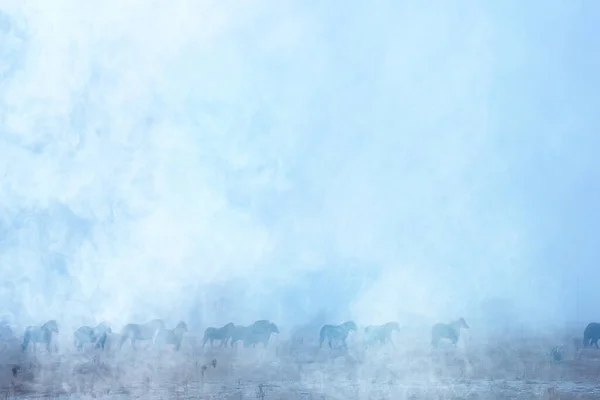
x: 520, y: 368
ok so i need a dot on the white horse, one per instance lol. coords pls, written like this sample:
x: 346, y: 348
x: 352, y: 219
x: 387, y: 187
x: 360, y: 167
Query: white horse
x: 135, y: 332
x: 39, y: 334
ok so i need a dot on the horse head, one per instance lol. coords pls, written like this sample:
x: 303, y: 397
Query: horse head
x: 229, y: 326
x: 102, y: 328
x: 182, y: 326
x: 461, y: 323
x: 51, y: 325
x: 273, y: 328
x: 350, y: 326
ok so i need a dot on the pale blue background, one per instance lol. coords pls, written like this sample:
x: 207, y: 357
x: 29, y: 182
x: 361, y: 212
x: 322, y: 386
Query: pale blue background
x: 226, y: 160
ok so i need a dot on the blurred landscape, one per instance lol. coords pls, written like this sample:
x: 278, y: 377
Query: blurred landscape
x: 209, y: 161
x: 498, y: 368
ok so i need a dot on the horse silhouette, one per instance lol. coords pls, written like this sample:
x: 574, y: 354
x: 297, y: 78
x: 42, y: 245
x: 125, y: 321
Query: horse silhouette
x: 336, y: 332
x: 135, y: 332
x: 171, y: 336
x: 87, y: 334
x: 380, y: 333
x: 6, y: 332
x: 222, y: 334
x: 39, y: 334
x: 591, y: 334
x: 259, y: 332
x: 449, y: 331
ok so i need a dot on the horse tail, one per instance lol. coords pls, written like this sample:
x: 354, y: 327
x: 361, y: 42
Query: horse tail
x: 26, y: 339
x: 156, y: 332
x: 588, y: 334
x: 323, y: 333
x: 101, y: 341
x: 125, y: 334
x: 207, y: 335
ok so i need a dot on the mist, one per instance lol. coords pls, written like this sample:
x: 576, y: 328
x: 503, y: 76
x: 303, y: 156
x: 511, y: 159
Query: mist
x: 218, y: 161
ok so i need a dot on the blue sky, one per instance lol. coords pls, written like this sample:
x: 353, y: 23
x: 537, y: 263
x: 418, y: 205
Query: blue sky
x: 220, y: 160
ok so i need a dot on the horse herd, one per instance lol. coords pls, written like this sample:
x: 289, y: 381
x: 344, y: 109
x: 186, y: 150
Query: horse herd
x: 258, y: 332
x: 228, y: 335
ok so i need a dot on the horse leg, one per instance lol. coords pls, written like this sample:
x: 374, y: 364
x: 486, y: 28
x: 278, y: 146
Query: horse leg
x: 330, y: 346
x: 25, y: 342
x: 122, y: 341
x: 596, y: 342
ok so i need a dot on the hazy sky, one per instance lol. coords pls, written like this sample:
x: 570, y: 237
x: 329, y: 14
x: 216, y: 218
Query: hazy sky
x: 239, y: 160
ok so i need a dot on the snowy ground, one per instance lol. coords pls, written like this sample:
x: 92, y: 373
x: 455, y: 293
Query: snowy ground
x: 515, y: 369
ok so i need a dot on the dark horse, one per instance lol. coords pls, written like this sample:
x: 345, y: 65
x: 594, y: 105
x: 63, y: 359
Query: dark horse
x: 591, y: 334
x: 336, y: 332
x: 381, y: 333
x: 87, y: 334
x: 221, y: 334
x: 259, y: 332
x: 449, y: 331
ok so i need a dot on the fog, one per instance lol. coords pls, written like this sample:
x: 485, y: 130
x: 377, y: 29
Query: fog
x: 218, y: 161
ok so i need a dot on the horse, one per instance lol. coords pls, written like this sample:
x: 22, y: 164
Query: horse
x: 171, y: 336
x: 260, y: 333
x: 336, y: 332
x: 97, y: 335
x: 238, y: 332
x: 222, y: 334
x: 252, y: 333
x: 6, y: 332
x: 381, y: 333
x: 102, y: 330
x: 40, y: 334
x: 591, y: 334
x: 145, y: 331
x: 449, y: 331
